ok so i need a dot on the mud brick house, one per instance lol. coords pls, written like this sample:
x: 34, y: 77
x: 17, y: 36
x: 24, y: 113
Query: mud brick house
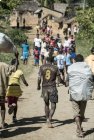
x: 24, y: 13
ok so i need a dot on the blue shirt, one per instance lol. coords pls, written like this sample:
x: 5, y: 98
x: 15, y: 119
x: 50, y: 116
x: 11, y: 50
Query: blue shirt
x: 68, y: 59
x: 73, y: 55
x: 25, y: 47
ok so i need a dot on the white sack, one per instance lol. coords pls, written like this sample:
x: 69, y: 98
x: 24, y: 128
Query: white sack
x: 6, y: 45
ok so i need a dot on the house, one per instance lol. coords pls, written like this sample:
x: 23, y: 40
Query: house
x: 61, y: 7
x: 25, y: 13
x: 51, y: 15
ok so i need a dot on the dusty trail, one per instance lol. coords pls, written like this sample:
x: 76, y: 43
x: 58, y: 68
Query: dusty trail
x: 31, y: 124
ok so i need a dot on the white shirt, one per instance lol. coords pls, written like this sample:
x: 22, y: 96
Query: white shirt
x: 37, y: 42
x: 46, y: 54
x: 48, y: 29
x: 75, y: 29
x: 80, y: 81
x: 59, y: 44
x: 43, y: 44
x: 69, y: 41
x: 43, y: 51
x: 66, y: 43
x: 69, y: 29
x: 60, y: 61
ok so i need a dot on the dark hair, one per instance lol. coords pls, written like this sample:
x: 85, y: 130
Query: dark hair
x: 66, y: 38
x: 50, y: 58
x: 79, y: 58
x: 52, y: 37
x: 16, y: 54
x: 13, y: 61
x: 92, y: 50
x: 37, y: 34
x: 36, y: 47
x: 60, y: 51
x: 72, y: 49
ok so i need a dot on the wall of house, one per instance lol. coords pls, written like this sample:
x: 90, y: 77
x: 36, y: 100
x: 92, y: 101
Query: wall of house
x: 30, y: 19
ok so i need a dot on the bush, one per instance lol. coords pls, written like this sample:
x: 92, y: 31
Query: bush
x: 17, y: 36
x: 83, y: 46
x: 6, y: 57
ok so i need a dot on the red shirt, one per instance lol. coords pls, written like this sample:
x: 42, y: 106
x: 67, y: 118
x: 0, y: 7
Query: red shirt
x: 52, y: 43
x: 47, y: 39
x: 36, y: 54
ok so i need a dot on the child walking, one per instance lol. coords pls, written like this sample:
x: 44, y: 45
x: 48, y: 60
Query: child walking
x: 14, y: 91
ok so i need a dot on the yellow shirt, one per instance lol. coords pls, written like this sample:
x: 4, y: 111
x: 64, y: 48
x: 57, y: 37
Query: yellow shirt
x: 15, y: 77
x: 14, y: 90
x: 90, y: 61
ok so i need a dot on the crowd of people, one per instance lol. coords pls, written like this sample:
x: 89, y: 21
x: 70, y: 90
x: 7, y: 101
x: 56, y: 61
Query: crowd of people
x: 63, y: 53
x: 59, y: 65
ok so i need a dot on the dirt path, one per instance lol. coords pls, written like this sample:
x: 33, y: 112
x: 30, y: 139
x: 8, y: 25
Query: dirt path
x: 31, y: 124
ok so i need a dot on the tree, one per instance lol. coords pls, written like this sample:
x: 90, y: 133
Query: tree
x: 9, y: 4
x: 90, y: 3
x: 86, y: 22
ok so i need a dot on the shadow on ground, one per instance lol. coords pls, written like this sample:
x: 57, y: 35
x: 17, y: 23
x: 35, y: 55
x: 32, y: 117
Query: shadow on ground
x: 34, y: 120
x: 88, y: 132
x: 40, y: 120
x: 29, y: 121
x: 19, y: 131
x: 24, y: 28
x: 64, y: 122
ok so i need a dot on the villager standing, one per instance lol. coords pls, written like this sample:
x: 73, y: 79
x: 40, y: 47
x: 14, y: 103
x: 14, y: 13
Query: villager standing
x: 17, y: 21
x: 24, y: 23
x: 25, y: 51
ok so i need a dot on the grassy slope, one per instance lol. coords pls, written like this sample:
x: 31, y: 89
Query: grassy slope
x: 4, y: 57
x: 83, y: 47
x: 27, y: 69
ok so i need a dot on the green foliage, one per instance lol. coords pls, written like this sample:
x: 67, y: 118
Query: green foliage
x: 13, y: 3
x: 7, y: 5
x: 6, y: 57
x: 86, y: 22
x: 83, y: 46
x: 17, y: 36
x: 85, y: 39
x: 90, y: 3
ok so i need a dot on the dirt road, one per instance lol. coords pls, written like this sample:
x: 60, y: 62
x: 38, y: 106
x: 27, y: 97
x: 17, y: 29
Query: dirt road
x: 31, y: 120
x: 31, y: 124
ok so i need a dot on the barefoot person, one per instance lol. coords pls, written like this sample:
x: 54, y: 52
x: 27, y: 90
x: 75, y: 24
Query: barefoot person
x: 80, y: 88
x: 14, y: 90
x: 48, y: 73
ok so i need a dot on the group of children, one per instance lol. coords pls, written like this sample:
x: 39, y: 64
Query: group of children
x: 48, y: 43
